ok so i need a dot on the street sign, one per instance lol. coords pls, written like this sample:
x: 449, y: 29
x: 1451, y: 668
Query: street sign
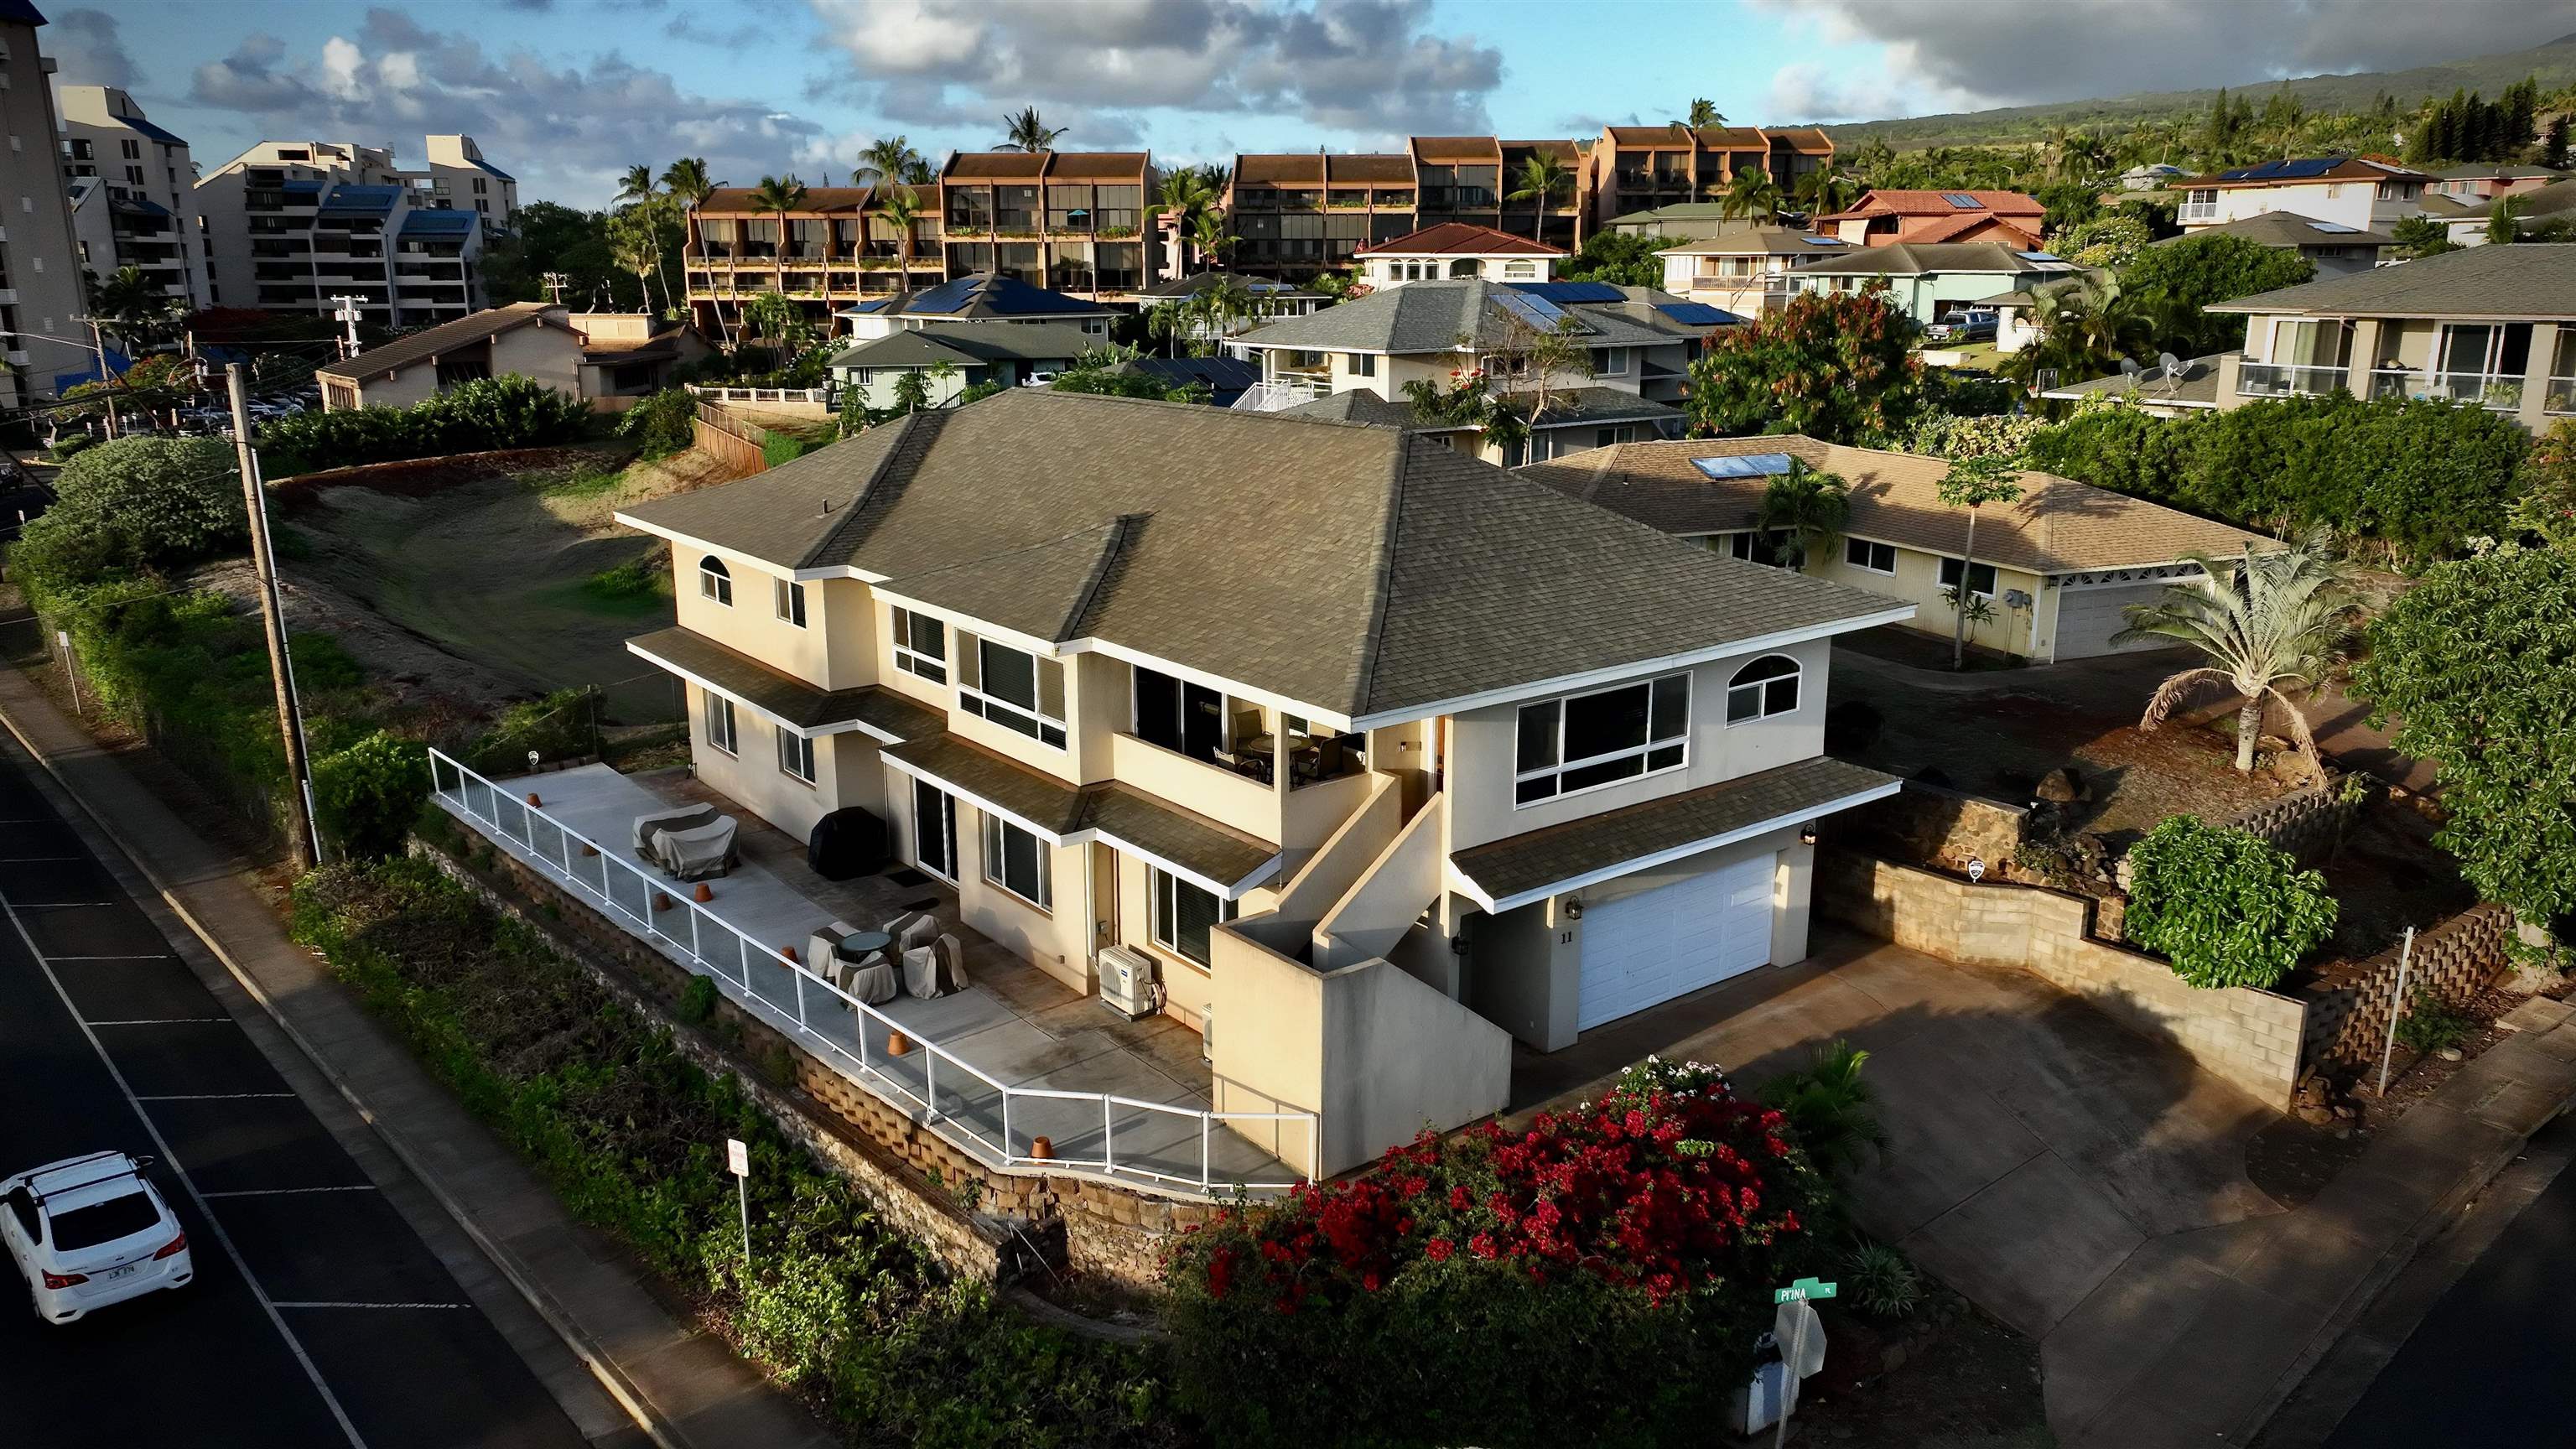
x: 738, y: 1158
x: 738, y: 1161
x: 1804, y: 1289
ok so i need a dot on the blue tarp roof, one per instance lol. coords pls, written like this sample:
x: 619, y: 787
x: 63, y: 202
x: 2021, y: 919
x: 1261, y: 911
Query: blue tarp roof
x: 1744, y: 465
x: 1564, y: 292
x: 1698, y: 314
x: 116, y: 362
x: 437, y: 223
x: 362, y: 198
x: 137, y: 123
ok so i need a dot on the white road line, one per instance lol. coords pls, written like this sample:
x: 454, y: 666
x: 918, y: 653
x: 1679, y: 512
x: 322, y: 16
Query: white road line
x: 145, y: 956
x: 284, y: 1304
x: 60, y: 905
x: 290, y: 1192
x: 169, y: 1158
x: 37, y: 859
x: 213, y: 1097
x: 149, y: 1020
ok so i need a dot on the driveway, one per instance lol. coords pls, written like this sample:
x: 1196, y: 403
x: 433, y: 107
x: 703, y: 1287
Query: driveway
x: 2035, y: 1143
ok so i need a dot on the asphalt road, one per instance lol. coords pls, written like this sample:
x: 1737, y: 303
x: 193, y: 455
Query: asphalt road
x: 2489, y: 1364
x: 317, y: 1316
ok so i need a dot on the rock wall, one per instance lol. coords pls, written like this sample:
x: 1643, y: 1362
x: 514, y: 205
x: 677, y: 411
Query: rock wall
x: 2251, y: 1038
x: 2349, y: 1007
x: 1937, y: 826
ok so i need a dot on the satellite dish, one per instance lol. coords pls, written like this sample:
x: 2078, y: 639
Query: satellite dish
x: 2128, y: 367
x: 2170, y: 364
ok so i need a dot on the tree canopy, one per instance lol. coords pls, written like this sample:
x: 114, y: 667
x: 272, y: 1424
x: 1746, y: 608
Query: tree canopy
x: 2226, y: 908
x: 1618, y: 258
x: 2176, y: 279
x: 1837, y: 367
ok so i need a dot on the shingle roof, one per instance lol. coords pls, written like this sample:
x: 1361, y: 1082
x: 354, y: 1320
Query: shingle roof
x: 1431, y: 317
x: 1193, y: 842
x: 2491, y: 170
x: 445, y: 337
x: 1197, y: 282
x: 1572, y: 406
x: 1359, y: 405
x: 1459, y: 238
x: 2058, y: 526
x: 2197, y: 387
x: 1907, y: 259
x: 1522, y: 867
x: 881, y: 710
x: 1288, y: 168
x: 968, y: 343
x: 1756, y: 241
x: 985, y: 294
x: 995, y: 165
x: 1378, y: 168
x: 2489, y: 281
x: 2289, y: 229
x: 1969, y: 223
x: 1457, y: 148
x: 1422, y: 576
x: 819, y: 201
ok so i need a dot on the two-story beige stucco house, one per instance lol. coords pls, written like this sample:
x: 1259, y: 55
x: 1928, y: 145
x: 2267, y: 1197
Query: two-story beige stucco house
x: 1372, y: 756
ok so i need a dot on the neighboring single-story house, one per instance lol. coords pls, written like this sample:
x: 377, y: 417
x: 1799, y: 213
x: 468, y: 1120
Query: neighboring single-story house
x: 973, y: 353
x: 2058, y: 569
x: 1930, y: 280
x: 610, y: 359
x: 2335, y: 247
x: 1456, y: 251
x: 1225, y: 378
x: 984, y: 298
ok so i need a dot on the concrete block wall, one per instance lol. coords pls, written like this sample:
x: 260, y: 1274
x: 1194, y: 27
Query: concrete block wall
x: 919, y: 1180
x: 2251, y: 1038
x: 2349, y: 1008
x: 2307, y: 823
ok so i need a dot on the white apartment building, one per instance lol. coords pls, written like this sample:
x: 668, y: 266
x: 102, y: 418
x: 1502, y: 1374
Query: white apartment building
x: 133, y: 192
x: 41, y: 338
x: 290, y: 225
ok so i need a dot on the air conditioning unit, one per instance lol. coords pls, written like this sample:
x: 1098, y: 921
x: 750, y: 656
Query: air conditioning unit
x: 1127, y: 981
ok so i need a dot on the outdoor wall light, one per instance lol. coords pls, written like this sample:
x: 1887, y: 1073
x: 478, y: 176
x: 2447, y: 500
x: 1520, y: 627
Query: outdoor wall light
x: 1574, y: 908
x: 1807, y: 833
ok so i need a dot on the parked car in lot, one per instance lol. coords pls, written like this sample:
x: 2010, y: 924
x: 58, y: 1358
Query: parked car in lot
x: 89, y: 1231
x: 1974, y: 324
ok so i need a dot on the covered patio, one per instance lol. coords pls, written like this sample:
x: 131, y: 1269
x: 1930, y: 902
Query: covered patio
x: 1012, y: 1058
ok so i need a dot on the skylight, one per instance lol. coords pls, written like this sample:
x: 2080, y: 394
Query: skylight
x: 2335, y: 227
x: 1744, y: 465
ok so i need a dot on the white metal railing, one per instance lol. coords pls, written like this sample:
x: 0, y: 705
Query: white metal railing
x: 2191, y: 211
x: 2271, y: 379
x: 761, y: 394
x: 1265, y: 397
x: 981, y: 1109
x: 2501, y: 392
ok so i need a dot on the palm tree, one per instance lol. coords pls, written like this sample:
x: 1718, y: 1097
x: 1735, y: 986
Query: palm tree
x: 1228, y: 301
x: 1170, y: 322
x: 1807, y: 508
x: 779, y: 195
x: 912, y: 390
x: 1824, y: 191
x: 1542, y: 177
x: 1972, y: 483
x: 1703, y: 114
x: 1185, y: 197
x: 635, y: 188
x: 1211, y: 236
x: 1029, y: 132
x: 899, y: 207
x: 1753, y: 193
x: 2275, y: 619
x: 133, y: 307
x: 687, y: 182
x: 1829, y: 1106
x: 888, y: 160
x: 2087, y: 324
x: 941, y: 373
x: 630, y: 243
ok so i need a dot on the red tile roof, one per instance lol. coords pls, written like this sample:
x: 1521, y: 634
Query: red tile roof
x: 1965, y: 225
x: 1458, y: 238
x: 1937, y: 203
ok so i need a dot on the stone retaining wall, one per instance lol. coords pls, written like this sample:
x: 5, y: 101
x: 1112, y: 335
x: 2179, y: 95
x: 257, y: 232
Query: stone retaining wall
x: 2251, y: 1038
x: 2349, y: 1007
x: 984, y: 1222
x: 1940, y: 826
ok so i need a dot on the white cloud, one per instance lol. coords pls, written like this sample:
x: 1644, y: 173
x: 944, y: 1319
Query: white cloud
x: 87, y: 51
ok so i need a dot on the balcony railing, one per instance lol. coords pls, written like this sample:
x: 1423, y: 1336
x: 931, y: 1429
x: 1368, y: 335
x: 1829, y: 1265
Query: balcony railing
x: 2496, y: 391
x: 2268, y: 379
x: 2192, y: 211
x: 786, y: 995
x: 1271, y: 396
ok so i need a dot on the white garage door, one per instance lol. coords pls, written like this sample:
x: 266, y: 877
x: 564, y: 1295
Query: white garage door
x: 2087, y: 618
x: 1655, y: 945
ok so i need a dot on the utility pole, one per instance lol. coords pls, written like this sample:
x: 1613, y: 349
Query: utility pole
x: 347, y: 316
x: 98, y: 349
x: 555, y: 282
x: 304, y: 842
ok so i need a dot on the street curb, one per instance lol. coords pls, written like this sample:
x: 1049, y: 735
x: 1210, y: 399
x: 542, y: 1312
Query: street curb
x: 583, y: 1347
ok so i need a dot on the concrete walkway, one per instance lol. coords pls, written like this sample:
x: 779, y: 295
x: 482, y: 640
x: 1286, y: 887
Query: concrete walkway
x: 683, y: 1387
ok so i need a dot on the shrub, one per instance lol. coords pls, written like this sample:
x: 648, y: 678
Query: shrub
x: 510, y: 411
x: 68, y: 444
x: 2430, y: 1024
x: 1828, y: 1106
x: 778, y: 447
x: 638, y: 580
x: 698, y: 1001
x: 660, y: 424
x: 630, y: 1134
x: 138, y: 503
x: 1838, y: 367
x: 2181, y: 277
x: 561, y: 726
x: 369, y: 793
x: 2224, y: 907
x: 1439, y: 1294
x: 1883, y: 1282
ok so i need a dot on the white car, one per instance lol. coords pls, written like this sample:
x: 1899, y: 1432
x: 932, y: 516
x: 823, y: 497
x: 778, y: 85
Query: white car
x: 89, y: 1231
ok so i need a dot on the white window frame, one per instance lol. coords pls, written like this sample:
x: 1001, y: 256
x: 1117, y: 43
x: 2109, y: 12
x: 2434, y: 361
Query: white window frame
x: 1561, y: 766
x: 789, y: 596
x: 909, y: 658
x: 715, y: 707
x: 795, y: 755
x: 975, y: 701
x: 1162, y: 903
x: 996, y: 831
x: 715, y: 581
x: 1760, y: 689
x: 1946, y: 581
x: 1869, y: 549
x: 1613, y: 362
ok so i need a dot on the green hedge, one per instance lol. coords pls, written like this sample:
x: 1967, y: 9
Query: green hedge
x: 835, y: 1303
x: 511, y: 411
x: 2224, y: 906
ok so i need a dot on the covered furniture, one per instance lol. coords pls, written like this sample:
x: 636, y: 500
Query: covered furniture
x: 846, y: 843
x: 938, y: 969
x: 698, y: 852
x: 912, y: 929
x: 679, y: 817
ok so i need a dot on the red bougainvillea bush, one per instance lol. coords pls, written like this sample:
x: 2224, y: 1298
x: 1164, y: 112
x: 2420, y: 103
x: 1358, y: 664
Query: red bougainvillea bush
x: 1603, y: 1273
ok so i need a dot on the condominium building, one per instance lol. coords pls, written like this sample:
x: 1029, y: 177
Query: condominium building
x: 1072, y: 221
x: 834, y: 250
x: 1297, y: 214
x: 1638, y: 168
x: 461, y: 178
x: 132, y: 190
x: 291, y: 225
x: 40, y: 286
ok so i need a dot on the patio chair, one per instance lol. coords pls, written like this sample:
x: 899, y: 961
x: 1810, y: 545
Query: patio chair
x: 921, y: 972
x: 875, y: 981
x: 699, y: 853
x: 952, y: 964
x: 681, y: 817
x: 915, y: 928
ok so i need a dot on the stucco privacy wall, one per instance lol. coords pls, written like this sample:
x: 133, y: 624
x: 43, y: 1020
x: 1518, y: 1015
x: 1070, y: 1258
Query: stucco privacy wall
x: 2252, y: 1038
x: 2348, y: 1010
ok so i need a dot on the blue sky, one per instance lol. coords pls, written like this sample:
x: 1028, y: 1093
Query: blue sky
x: 566, y: 93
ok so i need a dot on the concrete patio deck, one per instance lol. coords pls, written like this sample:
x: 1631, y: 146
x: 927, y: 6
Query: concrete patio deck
x: 1124, y: 1099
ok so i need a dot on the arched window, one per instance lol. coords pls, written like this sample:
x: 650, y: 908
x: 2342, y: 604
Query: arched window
x: 1466, y: 267
x: 1763, y: 688
x: 714, y: 581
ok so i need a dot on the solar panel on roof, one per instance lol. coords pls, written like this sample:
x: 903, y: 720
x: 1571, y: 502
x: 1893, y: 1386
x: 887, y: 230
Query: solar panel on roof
x: 1824, y: 241
x: 1744, y: 465
x: 1697, y: 314
x: 1538, y: 312
x: 2039, y: 256
x: 946, y: 297
x: 1963, y: 201
x: 1562, y: 293
x: 2332, y: 226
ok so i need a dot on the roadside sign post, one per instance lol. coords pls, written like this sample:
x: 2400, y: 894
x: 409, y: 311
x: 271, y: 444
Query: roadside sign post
x: 738, y: 1161
x: 2396, y: 1009
x: 63, y: 637
x: 1800, y: 1293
